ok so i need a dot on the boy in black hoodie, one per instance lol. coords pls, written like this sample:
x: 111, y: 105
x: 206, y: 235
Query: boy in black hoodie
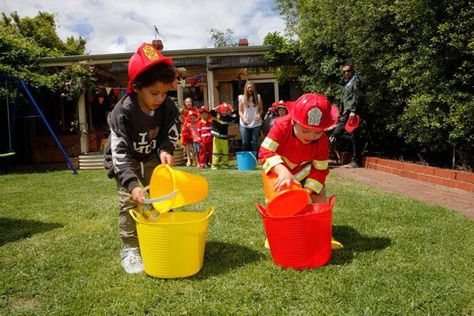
x: 143, y: 134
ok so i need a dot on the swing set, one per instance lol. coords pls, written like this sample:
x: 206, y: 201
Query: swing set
x: 11, y: 111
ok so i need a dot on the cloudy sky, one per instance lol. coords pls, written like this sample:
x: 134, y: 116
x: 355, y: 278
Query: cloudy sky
x: 117, y: 26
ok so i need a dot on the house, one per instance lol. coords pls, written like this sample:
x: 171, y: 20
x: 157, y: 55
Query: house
x: 208, y: 75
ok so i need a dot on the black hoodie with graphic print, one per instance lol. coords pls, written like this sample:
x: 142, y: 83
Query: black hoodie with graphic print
x: 136, y: 136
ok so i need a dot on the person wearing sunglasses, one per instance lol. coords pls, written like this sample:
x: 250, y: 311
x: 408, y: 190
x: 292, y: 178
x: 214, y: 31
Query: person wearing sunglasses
x: 350, y: 109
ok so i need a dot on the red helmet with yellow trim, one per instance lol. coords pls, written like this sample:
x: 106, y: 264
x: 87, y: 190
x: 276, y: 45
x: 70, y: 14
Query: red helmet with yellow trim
x: 314, y: 111
x: 146, y: 56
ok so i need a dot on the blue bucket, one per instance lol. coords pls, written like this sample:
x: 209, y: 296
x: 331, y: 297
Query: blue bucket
x: 246, y: 160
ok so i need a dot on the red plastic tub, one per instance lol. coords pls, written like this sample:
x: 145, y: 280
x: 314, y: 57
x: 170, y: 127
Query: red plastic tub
x: 303, y: 240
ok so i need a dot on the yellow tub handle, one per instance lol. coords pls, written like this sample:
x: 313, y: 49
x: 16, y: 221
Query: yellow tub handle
x: 132, y: 212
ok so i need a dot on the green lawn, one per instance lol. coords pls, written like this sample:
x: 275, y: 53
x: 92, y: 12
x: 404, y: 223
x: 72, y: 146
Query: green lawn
x: 59, y: 250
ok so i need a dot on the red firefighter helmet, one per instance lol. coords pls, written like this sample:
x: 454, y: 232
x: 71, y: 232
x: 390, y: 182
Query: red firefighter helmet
x: 281, y: 104
x: 276, y: 105
x: 221, y: 108
x: 352, y: 123
x: 192, y: 112
x: 146, y: 56
x: 314, y: 111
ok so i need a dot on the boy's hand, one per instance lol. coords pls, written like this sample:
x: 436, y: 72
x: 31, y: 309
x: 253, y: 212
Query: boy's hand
x: 166, y: 158
x: 284, y: 177
x: 138, y: 195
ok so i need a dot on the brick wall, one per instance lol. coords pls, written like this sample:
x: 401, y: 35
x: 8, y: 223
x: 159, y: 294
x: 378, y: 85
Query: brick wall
x: 462, y: 180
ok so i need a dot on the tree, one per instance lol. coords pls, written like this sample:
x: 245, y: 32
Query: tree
x: 24, y: 40
x: 222, y: 38
x: 415, y: 56
x: 284, y: 55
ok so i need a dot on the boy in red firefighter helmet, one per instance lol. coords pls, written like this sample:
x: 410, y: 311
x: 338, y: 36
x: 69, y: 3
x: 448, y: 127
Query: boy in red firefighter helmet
x: 297, y: 148
x: 143, y: 134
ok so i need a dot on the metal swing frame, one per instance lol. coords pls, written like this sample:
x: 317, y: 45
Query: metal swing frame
x: 21, y: 83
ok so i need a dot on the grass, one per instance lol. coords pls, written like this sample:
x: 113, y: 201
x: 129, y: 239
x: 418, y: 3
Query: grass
x: 59, y: 254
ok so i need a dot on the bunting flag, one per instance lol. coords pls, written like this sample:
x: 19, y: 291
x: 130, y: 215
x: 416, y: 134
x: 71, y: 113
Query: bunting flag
x: 192, y: 81
x: 108, y: 90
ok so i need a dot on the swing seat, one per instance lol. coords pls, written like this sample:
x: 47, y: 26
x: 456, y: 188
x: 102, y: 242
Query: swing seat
x: 9, y: 154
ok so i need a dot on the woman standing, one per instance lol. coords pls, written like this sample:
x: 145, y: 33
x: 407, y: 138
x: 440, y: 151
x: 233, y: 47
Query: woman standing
x: 250, y: 111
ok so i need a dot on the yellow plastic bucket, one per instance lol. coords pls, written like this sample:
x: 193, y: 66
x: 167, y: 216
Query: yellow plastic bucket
x: 173, y: 245
x: 190, y: 187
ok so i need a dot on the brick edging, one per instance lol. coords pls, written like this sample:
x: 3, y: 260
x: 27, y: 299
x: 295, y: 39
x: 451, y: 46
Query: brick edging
x: 462, y: 180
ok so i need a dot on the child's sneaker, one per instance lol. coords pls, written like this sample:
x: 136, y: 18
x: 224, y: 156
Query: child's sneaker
x: 131, y: 259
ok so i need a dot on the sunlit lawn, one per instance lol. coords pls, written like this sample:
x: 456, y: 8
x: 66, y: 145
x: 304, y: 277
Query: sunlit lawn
x: 59, y: 254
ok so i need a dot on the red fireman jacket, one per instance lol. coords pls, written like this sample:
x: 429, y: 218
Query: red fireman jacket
x: 185, y: 113
x: 204, y: 131
x: 189, y: 132
x: 306, y: 162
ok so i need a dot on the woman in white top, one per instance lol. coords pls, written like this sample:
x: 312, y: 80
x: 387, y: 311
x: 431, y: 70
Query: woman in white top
x: 250, y: 111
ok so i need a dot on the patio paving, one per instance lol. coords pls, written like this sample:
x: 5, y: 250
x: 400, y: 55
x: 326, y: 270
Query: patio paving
x: 453, y: 199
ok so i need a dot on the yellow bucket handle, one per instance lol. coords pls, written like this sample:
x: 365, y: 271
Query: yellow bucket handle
x: 132, y: 212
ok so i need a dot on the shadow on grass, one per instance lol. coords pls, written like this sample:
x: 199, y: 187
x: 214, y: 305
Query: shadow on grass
x: 221, y: 257
x: 12, y: 230
x: 354, y: 243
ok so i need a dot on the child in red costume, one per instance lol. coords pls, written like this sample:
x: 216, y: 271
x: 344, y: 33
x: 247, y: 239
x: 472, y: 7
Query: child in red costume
x: 205, y: 138
x: 297, y: 148
x: 190, y: 132
x: 186, y: 136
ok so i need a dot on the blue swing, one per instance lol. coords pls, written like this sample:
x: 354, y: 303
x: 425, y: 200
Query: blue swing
x: 10, y: 152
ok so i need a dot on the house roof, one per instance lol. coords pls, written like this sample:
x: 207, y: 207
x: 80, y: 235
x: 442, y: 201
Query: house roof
x: 220, y: 57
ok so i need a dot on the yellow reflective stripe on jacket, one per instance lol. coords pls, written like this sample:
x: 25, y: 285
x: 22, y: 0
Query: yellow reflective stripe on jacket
x: 303, y: 173
x: 289, y: 163
x: 270, y: 144
x: 320, y: 164
x: 314, y: 185
x: 271, y: 162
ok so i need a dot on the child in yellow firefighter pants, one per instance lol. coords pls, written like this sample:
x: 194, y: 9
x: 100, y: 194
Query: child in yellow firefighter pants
x: 220, y: 153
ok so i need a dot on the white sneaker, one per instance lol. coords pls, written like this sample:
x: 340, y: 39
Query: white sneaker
x: 131, y: 259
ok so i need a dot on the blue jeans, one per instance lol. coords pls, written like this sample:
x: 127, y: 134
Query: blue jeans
x: 250, y: 138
